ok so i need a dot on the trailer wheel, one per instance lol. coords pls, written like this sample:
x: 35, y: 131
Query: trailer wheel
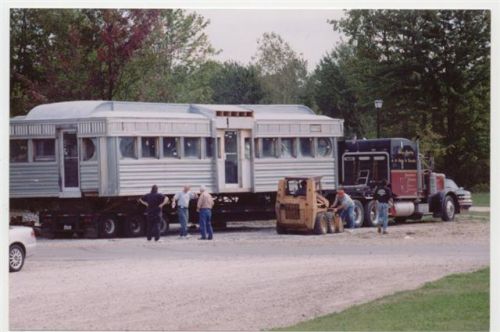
x: 448, y: 209
x: 164, y: 226
x: 331, y: 222
x: 108, y: 226
x: 135, y: 225
x: 359, y: 212
x: 16, y: 257
x: 371, y: 214
x: 321, y: 224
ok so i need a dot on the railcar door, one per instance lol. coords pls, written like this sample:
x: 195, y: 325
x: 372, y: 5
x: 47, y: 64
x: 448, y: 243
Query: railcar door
x: 234, y: 153
x: 69, y: 174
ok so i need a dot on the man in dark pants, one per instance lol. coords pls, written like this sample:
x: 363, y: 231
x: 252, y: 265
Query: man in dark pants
x: 154, y: 202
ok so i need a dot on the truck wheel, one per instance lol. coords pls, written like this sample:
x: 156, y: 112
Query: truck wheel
x: 135, y: 225
x: 448, y: 209
x: 358, y: 213
x: 371, y: 214
x: 16, y: 258
x: 321, y: 224
x: 164, y: 226
x: 108, y: 226
x: 280, y: 229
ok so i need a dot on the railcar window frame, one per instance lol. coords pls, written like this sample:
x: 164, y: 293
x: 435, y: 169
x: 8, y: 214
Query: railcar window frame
x: 209, y: 147
x: 292, y: 151
x: 156, y: 147
x: 197, y: 154
x: 15, y: 159
x: 84, y: 149
x: 329, y: 147
x: 176, y: 151
x: 311, y: 146
x: 273, y: 151
x: 135, y: 148
x: 44, y: 157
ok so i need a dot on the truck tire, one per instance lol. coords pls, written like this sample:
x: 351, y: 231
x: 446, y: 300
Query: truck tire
x: 321, y: 224
x: 371, y: 214
x: 331, y: 222
x: 359, y: 213
x: 448, y: 209
x: 164, y: 226
x: 108, y: 226
x: 135, y: 225
x: 16, y: 257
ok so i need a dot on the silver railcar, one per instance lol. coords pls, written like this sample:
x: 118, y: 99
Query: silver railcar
x: 65, y: 154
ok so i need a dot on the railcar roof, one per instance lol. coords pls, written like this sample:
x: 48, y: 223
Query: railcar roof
x: 99, y: 108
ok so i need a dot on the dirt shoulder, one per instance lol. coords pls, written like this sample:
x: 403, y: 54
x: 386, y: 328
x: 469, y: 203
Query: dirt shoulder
x: 248, y: 278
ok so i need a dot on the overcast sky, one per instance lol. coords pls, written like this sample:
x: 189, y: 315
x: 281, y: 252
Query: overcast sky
x: 235, y: 31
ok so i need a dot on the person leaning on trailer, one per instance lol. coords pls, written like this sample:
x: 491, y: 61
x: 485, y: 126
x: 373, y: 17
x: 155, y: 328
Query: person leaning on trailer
x: 181, y: 199
x: 345, y: 204
x: 204, y: 208
x: 154, y: 202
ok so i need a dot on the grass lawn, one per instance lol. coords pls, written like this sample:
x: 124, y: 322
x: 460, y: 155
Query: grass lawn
x: 480, y: 199
x: 458, y: 302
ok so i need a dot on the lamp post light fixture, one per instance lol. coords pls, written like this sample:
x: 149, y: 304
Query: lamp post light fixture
x: 378, y: 106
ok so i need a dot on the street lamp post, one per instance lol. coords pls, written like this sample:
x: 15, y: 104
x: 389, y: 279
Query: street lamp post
x: 378, y: 106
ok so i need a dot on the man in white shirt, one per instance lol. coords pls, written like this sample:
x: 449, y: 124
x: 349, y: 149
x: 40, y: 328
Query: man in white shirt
x: 181, y: 200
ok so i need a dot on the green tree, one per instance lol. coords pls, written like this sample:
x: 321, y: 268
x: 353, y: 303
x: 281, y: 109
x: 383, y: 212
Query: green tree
x: 236, y: 84
x: 283, y: 71
x: 429, y: 67
x: 173, y: 55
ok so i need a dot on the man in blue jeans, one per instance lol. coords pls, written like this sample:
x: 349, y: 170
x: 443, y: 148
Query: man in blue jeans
x: 345, y: 204
x: 182, y: 199
x: 204, y: 207
x: 383, y: 196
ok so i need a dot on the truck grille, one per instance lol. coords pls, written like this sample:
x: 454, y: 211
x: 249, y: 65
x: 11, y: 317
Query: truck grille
x: 292, y: 211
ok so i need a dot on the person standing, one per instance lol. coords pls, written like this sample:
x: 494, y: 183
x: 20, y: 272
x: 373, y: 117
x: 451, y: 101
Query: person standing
x: 383, y: 196
x: 154, y: 202
x: 181, y: 200
x: 345, y: 204
x: 204, y: 208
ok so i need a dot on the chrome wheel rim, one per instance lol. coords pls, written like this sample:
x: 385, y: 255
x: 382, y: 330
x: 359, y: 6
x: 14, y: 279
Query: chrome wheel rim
x: 450, y: 208
x: 16, y: 258
x: 109, y: 226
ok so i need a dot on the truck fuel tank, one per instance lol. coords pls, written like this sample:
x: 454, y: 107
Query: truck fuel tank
x: 403, y: 209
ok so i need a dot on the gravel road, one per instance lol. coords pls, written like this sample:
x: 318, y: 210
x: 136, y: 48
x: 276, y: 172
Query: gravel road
x: 248, y: 278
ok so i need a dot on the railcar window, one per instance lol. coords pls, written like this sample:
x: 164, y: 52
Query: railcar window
x: 306, y: 147
x: 192, y: 147
x: 170, y: 147
x: 19, y: 150
x: 287, y: 148
x: 89, y: 149
x: 268, y: 147
x: 256, y: 148
x: 248, y: 148
x: 209, y: 147
x: 324, y: 147
x: 149, y: 147
x: 44, y: 149
x: 128, y: 147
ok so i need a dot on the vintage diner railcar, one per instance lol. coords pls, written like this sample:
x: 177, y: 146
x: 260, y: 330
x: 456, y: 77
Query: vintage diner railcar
x: 83, y: 164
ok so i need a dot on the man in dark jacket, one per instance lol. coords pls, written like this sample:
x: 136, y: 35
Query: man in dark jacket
x: 383, y: 196
x: 154, y: 202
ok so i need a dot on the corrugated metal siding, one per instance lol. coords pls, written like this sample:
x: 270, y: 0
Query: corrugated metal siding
x: 269, y: 171
x: 91, y: 128
x: 34, y: 180
x: 89, y: 176
x: 141, y: 127
x: 35, y: 130
x: 298, y: 128
x: 137, y: 176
